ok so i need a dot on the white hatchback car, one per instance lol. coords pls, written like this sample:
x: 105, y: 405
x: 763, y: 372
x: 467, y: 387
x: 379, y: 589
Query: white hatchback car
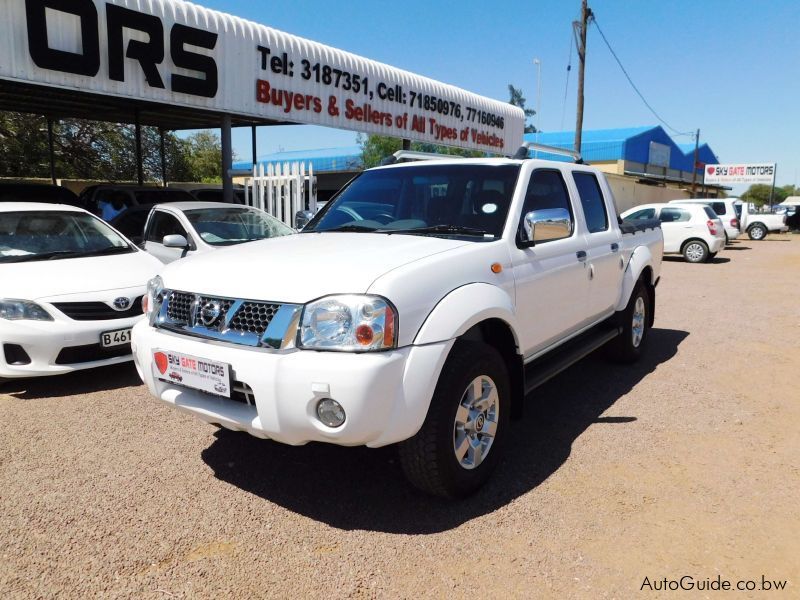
x: 693, y: 230
x: 175, y: 230
x: 729, y: 210
x: 70, y: 290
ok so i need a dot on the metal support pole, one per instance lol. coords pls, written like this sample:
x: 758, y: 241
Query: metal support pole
x: 586, y: 13
x: 138, y: 133
x: 227, y: 160
x: 694, y: 167
x: 406, y: 144
x: 772, y: 190
x: 255, y: 145
x: 163, y: 157
x: 52, y: 147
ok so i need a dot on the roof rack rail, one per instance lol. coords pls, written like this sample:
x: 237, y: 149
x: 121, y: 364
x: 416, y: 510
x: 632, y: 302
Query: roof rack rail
x: 414, y: 155
x: 523, y: 151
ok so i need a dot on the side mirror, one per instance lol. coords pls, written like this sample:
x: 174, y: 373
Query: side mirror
x: 301, y: 218
x: 175, y: 241
x: 544, y: 226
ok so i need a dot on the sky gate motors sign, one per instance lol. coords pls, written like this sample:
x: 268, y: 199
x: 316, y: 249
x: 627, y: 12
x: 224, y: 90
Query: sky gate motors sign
x: 178, y: 53
x: 736, y: 174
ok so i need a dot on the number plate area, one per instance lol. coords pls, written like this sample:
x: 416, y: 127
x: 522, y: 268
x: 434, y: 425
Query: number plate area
x: 193, y: 372
x: 109, y: 339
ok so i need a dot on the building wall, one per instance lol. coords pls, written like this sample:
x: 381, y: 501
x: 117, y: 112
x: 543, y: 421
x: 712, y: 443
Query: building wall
x: 628, y: 192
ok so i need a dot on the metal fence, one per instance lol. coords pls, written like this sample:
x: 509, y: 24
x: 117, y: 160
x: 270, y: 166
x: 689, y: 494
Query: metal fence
x: 282, y: 189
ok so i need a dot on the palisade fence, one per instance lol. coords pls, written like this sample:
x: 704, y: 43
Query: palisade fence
x: 282, y: 189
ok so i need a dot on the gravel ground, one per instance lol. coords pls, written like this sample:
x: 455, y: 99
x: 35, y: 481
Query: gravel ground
x: 685, y: 464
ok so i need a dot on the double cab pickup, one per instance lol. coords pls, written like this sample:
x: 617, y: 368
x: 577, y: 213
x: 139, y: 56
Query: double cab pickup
x: 419, y: 307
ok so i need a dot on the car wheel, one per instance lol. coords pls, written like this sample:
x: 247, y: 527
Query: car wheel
x: 634, y: 321
x: 695, y: 251
x: 757, y: 232
x: 727, y: 239
x: 461, y: 440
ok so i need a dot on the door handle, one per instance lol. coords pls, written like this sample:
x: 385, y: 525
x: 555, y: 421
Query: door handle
x: 581, y: 254
x: 614, y: 247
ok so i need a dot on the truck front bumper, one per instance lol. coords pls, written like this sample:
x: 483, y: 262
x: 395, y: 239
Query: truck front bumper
x: 385, y: 395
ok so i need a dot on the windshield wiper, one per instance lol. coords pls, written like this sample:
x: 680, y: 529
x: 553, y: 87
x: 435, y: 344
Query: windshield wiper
x: 67, y: 254
x: 356, y: 228
x: 446, y: 229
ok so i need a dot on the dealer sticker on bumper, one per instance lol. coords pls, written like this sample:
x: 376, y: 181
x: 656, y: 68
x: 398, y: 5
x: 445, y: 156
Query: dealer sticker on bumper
x: 193, y: 372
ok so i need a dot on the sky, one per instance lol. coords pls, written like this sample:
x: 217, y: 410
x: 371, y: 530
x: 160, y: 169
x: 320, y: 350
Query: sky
x: 727, y: 67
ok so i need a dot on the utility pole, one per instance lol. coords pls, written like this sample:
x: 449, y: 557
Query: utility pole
x: 694, y: 167
x: 579, y: 28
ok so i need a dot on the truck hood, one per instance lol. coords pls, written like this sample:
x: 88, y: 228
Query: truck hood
x: 58, y: 278
x: 303, y: 267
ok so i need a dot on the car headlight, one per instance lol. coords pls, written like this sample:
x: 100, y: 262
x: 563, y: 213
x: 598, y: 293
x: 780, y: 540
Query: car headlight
x: 154, y: 297
x: 349, y: 323
x: 17, y: 310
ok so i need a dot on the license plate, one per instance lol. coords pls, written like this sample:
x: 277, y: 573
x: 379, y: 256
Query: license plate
x: 193, y: 372
x: 115, y: 338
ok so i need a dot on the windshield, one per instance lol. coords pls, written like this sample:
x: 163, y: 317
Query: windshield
x: 431, y: 199
x: 48, y: 235
x: 228, y: 226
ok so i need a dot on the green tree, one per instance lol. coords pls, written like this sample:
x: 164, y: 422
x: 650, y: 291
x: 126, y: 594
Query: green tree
x: 517, y: 99
x: 204, y: 156
x: 758, y: 194
x: 376, y: 148
x: 103, y: 151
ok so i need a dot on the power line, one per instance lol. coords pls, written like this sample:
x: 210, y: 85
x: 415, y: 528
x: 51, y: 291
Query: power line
x: 633, y: 85
x: 566, y: 85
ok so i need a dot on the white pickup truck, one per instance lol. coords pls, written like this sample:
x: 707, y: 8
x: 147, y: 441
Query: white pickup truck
x: 419, y: 307
x: 758, y: 225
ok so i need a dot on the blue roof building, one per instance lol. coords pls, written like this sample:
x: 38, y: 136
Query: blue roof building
x: 647, y: 151
x: 323, y: 160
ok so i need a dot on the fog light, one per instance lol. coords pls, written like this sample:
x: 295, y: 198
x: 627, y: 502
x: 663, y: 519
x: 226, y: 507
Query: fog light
x: 330, y: 412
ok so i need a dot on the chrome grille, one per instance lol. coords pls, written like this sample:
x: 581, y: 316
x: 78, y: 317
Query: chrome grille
x: 254, y: 317
x: 241, y: 322
x: 179, y: 306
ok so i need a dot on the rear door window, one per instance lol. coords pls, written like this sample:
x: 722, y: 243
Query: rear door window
x: 594, y: 207
x: 645, y: 213
x: 674, y: 215
x: 719, y: 208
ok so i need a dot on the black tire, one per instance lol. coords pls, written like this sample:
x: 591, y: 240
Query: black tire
x: 757, y: 232
x: 695, y: 251
x: 429, y: 458
x: 624, y: 348
x: 727, y: 241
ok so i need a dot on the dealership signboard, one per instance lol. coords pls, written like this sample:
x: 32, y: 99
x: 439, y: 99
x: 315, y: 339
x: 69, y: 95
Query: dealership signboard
x: 741, y: 173
x: 176, y: 53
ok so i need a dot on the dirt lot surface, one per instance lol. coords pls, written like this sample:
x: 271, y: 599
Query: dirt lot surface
x: 686, y: 464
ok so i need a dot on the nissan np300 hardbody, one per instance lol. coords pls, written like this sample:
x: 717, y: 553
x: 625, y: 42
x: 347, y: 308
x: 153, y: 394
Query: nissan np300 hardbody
x: 418, y: 307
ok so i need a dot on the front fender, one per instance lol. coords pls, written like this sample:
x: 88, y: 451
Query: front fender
x: 639, y: 261
x: 465, y: 307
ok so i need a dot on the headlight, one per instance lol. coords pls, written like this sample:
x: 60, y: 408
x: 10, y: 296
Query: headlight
x: 352, y: 323
x: 151, y: 303
x: 17, y: 310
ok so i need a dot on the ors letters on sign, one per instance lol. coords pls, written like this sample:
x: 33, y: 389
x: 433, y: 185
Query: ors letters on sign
x: 148, y: 54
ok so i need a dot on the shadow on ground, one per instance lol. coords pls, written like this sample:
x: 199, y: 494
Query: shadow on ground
x: 718, y: 260
x: 737, y: 248
x: 362, y: 488
x: 73, y: 384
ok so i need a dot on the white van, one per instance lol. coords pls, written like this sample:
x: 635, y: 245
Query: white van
x: 729, y: 210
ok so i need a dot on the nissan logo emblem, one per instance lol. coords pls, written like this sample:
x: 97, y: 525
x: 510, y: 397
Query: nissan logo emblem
x: 121, y: 303
x: 210, y: 313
